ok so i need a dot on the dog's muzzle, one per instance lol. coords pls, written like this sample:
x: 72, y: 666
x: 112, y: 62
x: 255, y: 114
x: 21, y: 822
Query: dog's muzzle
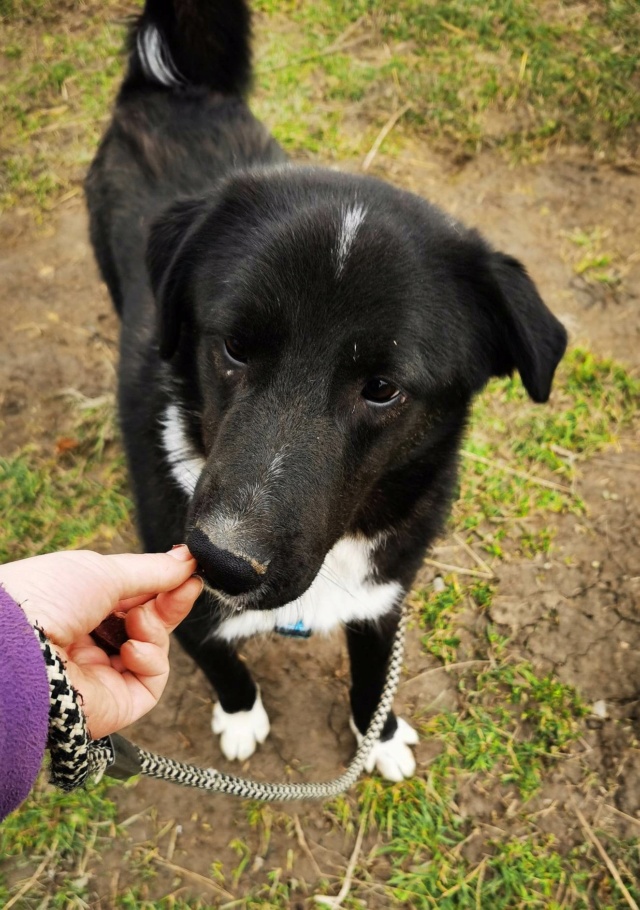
x: 223, y: 570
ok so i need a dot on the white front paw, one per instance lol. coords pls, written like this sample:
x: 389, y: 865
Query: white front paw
x: 393, y: 758
x: 241, y: 731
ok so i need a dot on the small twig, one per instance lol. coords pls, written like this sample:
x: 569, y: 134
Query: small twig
x: 82, y: 864
x: 627, y: 465
x: 334, y: 48
x: 447, y: 667
x: 305, y: 846
x: 479, y: 889
x: 501, y: 466
x: 171, y: 846
x: 71, y: 194
x: 34, y: 878
x: 472, y: 553
x: 560, y: 891
x: 629, y: 818
x: 70, y: 124
x: 479, y: 869
x: 336, y: 902
x: 133, y: 818
x: 382, y: 135
x: 563, y: 453
x: 452, y: 28
x: 459, y: 569
x: 164, y: 830
x: 591, y: 835
x: 180, y: 870
x: 115, y: 882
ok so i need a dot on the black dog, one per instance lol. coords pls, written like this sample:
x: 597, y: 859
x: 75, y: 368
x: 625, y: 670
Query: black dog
x: 299, y: 352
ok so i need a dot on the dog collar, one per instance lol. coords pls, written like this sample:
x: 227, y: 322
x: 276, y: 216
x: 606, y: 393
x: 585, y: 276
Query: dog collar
x: 294, y: 630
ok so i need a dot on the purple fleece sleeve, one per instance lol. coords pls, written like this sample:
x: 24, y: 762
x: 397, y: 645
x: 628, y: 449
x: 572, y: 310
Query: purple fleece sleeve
x: 24, y: 705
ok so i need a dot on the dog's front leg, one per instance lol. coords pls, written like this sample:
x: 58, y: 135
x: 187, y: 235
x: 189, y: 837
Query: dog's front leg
x: 239, y: 717
x: 369, y: 649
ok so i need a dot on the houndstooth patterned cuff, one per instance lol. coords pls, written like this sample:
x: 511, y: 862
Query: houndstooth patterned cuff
x: 69, y: 738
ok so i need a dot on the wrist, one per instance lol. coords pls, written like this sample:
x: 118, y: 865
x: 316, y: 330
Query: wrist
x: 69, y: 737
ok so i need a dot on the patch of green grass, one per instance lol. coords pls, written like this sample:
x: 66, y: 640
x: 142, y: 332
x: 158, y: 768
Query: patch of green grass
x: 595, y: 399
x: 49, y: 816
x: 430, y: 867
x: 498, y: 73
x: 11, y: 10
x: 514, y: 447
x: 57, y: 830
x: 567, y: 73
x: 514, y: 723
x: 65, y: 503
x: 61, y: 71
x: 431, y: 843
x: 512, y: 716
x: 594, y: 261
x: 329, y: 74
x: 446, y: 837
x: 438, y: 612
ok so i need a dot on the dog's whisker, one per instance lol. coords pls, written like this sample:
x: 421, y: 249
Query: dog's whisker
x: 324, y: 573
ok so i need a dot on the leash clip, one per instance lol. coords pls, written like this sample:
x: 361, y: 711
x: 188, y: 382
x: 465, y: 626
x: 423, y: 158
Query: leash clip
x: 126, y: 758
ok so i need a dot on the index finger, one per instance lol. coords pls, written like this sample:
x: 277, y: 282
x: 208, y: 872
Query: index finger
x: 137, y: 574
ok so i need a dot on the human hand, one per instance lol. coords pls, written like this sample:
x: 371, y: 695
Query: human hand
x: 69, y: 593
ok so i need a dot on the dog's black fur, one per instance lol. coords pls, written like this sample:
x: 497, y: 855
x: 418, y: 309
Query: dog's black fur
x: 268, y: 301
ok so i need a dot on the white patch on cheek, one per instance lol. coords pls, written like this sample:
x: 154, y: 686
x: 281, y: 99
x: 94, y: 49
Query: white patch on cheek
x: 352, y: 218
x: 185, y: 462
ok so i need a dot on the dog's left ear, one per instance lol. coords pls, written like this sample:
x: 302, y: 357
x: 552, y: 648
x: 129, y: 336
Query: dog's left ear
x: 170, y: 254
x: 526, y: 336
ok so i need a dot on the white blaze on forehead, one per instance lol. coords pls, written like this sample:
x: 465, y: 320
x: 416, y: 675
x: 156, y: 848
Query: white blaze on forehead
x: 352, y: 217
x: 185, y: 462
x: 155, y: 57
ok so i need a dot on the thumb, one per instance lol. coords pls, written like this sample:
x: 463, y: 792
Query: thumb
x: 136, y: 574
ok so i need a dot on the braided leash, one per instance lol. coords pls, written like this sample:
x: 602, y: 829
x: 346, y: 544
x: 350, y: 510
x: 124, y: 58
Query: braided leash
x: 76, y: 758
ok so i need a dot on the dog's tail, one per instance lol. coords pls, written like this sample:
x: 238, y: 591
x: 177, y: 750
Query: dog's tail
x: 178, y: 43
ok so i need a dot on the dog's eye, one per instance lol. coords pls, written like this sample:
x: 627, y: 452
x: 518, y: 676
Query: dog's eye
x: 379, y: 391
x: 235, y: 350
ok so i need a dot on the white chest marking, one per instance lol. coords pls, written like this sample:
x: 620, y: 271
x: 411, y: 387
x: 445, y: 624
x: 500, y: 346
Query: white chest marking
x: 185, y: 462
x: 342, y: 592
x: 156, y: 59
x: 352, y: 218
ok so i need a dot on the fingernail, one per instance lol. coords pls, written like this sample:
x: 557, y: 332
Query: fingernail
x: 180, y: 551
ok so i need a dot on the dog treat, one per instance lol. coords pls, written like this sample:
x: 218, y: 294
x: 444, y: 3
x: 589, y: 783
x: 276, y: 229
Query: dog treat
x: 111, y: 634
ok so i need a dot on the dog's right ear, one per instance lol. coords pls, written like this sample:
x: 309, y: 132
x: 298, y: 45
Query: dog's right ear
x: 170, y: 255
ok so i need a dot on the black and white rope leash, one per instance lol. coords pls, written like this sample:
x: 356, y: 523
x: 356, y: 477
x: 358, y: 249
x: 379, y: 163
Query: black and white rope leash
x: 74, y: 757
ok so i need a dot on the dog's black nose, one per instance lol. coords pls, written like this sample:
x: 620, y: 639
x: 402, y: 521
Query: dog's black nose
x: 222, y: 569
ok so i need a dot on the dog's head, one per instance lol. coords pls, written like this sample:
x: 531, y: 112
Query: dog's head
x: 326, y: 334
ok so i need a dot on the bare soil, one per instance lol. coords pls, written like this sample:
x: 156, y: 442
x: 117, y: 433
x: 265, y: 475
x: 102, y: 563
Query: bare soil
x: 577, y: 613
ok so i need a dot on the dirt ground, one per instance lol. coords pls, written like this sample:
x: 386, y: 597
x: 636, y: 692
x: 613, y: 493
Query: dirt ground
x: 578, y: 613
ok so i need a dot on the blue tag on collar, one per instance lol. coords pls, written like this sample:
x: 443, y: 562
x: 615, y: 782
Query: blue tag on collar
x: 294, y: 630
